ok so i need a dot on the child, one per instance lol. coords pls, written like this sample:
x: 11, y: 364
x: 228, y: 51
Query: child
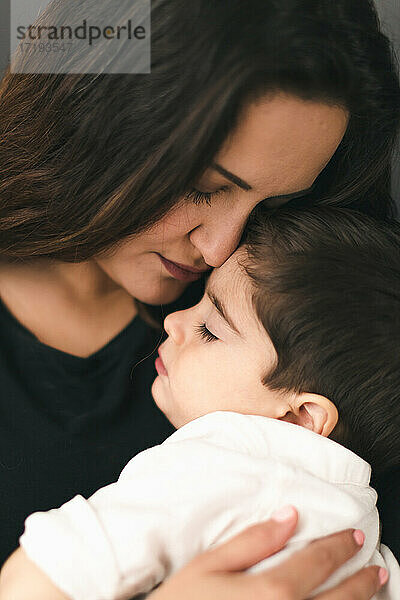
x: 287, y: 367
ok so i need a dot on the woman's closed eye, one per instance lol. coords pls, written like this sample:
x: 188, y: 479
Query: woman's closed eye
x: 199, y: 197
x: 204, y: 333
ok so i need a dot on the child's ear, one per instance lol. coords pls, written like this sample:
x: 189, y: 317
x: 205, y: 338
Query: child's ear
x: 314, y: 412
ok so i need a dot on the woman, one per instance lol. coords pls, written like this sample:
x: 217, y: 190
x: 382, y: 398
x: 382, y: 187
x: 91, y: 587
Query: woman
x: 110, y: 184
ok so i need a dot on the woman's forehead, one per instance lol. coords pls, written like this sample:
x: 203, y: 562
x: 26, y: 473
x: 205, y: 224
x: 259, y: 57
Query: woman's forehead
x: 282, y: 143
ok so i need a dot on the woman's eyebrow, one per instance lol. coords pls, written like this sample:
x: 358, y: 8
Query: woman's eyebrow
x: 222, y: 311
x: 234, y: 178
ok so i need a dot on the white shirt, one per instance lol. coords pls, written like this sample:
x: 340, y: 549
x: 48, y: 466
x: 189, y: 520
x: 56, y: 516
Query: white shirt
x: 208, y: 481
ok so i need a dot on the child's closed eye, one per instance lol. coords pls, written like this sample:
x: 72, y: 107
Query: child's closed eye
x: 204, y: 333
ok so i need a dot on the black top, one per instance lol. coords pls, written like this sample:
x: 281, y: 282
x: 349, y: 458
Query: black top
x: 69, y: 425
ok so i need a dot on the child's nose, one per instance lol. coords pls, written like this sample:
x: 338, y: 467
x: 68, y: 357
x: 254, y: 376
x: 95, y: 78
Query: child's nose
x: 173, y: 325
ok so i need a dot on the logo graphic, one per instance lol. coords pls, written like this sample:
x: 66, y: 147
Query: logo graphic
x: 80, y: 36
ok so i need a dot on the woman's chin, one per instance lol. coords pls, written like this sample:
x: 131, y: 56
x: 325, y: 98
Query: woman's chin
x: 163, y: 292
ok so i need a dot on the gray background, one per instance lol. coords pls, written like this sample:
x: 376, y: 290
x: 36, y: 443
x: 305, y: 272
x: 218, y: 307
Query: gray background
x: 4, y: 33
x: 389, y: 11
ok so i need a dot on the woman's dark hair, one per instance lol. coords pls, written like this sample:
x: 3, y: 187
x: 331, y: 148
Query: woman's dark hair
x: 326, y: 288
x: 86, y: 160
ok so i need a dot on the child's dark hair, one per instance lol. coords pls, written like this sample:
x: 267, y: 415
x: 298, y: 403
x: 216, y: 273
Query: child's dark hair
x: 327, y: 291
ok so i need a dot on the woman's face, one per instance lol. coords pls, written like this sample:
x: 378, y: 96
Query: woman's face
x: 281, y: 145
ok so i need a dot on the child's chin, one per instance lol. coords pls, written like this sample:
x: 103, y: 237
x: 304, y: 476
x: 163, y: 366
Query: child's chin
x: 160, y: 398
x: 158, y: 395
x: 155, y: 390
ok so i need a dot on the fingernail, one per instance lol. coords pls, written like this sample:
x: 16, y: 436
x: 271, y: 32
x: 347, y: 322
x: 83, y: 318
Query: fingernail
x: 383, y: 576
x: 359, y: 537
x: 287, y: 513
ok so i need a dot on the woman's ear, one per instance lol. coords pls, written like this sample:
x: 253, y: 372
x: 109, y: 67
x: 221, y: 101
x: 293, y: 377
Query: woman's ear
x: 313, y: 412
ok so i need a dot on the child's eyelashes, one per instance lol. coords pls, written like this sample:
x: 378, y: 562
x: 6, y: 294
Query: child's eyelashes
x: 199, y: 197
x: 204, y: 333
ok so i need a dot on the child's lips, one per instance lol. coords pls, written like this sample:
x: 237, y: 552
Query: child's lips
x: 160, y: 367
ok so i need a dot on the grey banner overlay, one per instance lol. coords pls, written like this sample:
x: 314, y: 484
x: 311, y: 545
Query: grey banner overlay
x: 80, y: 36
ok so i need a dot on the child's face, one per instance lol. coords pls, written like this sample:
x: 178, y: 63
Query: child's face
x: 209, y: 365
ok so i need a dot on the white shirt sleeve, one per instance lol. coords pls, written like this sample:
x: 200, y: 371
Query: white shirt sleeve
x: 170, y: 503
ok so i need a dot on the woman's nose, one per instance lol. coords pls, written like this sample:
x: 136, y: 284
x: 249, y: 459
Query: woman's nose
x: 174, y: 326
x: 217, y: 242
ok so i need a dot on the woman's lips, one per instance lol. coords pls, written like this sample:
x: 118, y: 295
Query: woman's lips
x: 177, y: 270
x: 160, y: 368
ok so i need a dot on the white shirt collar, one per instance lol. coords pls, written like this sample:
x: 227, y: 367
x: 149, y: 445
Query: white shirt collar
x: 261, y: 436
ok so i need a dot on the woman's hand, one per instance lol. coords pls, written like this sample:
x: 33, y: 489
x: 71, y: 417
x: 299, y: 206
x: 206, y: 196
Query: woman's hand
x: 218, y: 573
